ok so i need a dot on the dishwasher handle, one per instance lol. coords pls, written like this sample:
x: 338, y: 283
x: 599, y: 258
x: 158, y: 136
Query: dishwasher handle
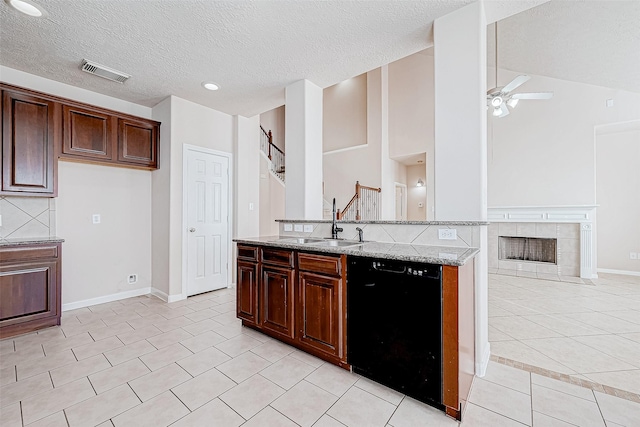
x: 399, y: 270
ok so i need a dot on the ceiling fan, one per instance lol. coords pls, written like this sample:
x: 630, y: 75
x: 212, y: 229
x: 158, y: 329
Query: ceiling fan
x: 500, y: 98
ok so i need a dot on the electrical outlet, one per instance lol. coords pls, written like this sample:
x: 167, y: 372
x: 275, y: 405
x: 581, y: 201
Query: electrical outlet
x: 132, y: 278
x: 95, y: 218
x: 633, y: 255
x: 447, y: 234
x: 297, y: 227
x: 308, y: 228
x: 288, y: 227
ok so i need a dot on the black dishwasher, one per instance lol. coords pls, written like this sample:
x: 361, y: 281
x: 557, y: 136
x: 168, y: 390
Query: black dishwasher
x: 394, y: 321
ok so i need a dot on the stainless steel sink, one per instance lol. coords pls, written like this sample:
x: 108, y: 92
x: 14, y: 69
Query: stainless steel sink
x: 337, y: 243
x: 300, y: 240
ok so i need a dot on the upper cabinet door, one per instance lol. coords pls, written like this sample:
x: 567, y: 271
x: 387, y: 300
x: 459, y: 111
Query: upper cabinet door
x: 87, y: 133
x: 29, y: 132
x: 138, y: 142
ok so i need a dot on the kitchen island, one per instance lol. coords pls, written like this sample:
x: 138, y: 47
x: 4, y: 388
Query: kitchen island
x: 295, y: 289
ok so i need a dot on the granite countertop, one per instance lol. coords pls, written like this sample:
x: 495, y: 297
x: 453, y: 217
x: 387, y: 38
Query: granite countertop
x: 30, y: 241
x: 445, y: 255
x: 321, y: 221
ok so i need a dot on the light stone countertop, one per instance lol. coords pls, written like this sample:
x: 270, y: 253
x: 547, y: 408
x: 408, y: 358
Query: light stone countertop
x: 321, y: 221
x: 30, y: 241
x: 444, y: 255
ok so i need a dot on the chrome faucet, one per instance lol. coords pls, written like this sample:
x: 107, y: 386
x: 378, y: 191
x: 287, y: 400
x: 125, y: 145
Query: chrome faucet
x: 360, y: 234
x: 334, y: 227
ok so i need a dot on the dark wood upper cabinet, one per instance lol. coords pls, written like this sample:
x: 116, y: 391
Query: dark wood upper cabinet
x: 37, y: 128
x: 87, y: 133
x: 138, y: 142
x: 30, y: 128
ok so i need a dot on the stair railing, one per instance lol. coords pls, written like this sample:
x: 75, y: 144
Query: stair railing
x: 364, y: 205
x: 274, y: 154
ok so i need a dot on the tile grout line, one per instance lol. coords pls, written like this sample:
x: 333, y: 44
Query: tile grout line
x: 569, y: 379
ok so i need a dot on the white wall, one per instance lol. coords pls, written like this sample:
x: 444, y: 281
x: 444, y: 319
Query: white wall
x: 192, y: 124
x: 416, y: 194
x: 97, y: 258
x: 618, y: 198
x: 247, y: 171
x: 542, y: 154
x: 271, y: 200
x: 345, y: 114
x: 342, y: 169
x: 411, y: 104
x: 273, y: 120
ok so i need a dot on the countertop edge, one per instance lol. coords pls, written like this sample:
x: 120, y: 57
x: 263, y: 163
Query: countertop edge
x: 465, y: 257
x: 30, y: 241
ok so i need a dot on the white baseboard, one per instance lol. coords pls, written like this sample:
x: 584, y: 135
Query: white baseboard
x: 105, y: 299
x: 481, y: 365
x: 624, y: 272
x: 166, y: 298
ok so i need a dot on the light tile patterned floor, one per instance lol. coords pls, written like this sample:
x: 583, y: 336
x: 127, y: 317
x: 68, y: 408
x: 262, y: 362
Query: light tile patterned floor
x: 590, y: 332
x: 142, y: 362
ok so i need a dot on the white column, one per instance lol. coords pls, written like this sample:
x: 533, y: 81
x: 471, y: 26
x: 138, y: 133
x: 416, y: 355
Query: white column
x: 303, y: 153
x: 461, y: 139
x: 247, y: 173
x: 387, y: 170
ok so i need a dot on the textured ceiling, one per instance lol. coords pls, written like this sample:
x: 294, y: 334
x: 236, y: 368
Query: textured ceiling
x: 252, y: 49
x: 594, y: 42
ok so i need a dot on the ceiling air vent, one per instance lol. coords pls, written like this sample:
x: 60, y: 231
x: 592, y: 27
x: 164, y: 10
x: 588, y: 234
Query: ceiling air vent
x: 104, y: 72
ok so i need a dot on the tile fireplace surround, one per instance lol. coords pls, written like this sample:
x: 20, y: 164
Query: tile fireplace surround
x: 572, y: 226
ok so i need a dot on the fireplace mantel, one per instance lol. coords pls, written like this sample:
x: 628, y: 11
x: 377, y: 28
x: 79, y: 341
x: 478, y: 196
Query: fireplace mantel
x: 571, y: 214
x: 574, y: 214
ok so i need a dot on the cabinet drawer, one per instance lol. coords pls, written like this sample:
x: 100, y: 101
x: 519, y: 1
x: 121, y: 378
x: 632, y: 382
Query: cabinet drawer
x: 28, y: 253
x: 249, y: 253
x: 321, y: 264
x: 280, y: 257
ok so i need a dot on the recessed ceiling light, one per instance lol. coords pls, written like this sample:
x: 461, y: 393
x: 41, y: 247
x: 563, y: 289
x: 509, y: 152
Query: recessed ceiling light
x: 27, y: 7
x: 210, y: 86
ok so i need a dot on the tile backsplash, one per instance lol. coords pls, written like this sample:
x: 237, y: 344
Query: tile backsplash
x: 26, y: 217
x: 416, y: 234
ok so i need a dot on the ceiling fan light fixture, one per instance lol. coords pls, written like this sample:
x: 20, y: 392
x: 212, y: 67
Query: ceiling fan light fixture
x: 497, y: 101
x: 27, y: 7
x: 512, y: 103
x: 497, y: 111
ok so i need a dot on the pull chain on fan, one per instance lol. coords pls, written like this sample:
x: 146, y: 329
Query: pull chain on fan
x: 501, y: 98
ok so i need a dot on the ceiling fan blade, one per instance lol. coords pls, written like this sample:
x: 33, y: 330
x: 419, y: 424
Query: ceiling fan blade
x: 515, y: 83
x: 504, y: 111
x: 533, y: 95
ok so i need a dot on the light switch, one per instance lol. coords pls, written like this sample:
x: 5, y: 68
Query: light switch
x: 96, y: 218
x: 288, y: 227
x: 297, y: 227
x: 308, y: 228
x: 250, y: 206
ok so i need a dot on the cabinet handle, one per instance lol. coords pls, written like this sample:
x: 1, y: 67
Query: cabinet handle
x: 192, y: 230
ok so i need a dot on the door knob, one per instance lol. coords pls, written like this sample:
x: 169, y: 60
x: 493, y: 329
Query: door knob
x: 192, y: 230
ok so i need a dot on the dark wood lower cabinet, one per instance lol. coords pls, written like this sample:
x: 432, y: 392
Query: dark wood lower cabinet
x: 247, y: 297
x: 277, y: 304
x: 297, y: 298
x: 30, y: 284
x: 319, y: 313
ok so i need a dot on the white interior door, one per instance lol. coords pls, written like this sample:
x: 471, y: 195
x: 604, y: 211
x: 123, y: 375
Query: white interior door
x: 207, y: 222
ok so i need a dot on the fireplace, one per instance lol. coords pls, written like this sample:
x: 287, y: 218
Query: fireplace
x: 572, y: 227
x: 528, y: 249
